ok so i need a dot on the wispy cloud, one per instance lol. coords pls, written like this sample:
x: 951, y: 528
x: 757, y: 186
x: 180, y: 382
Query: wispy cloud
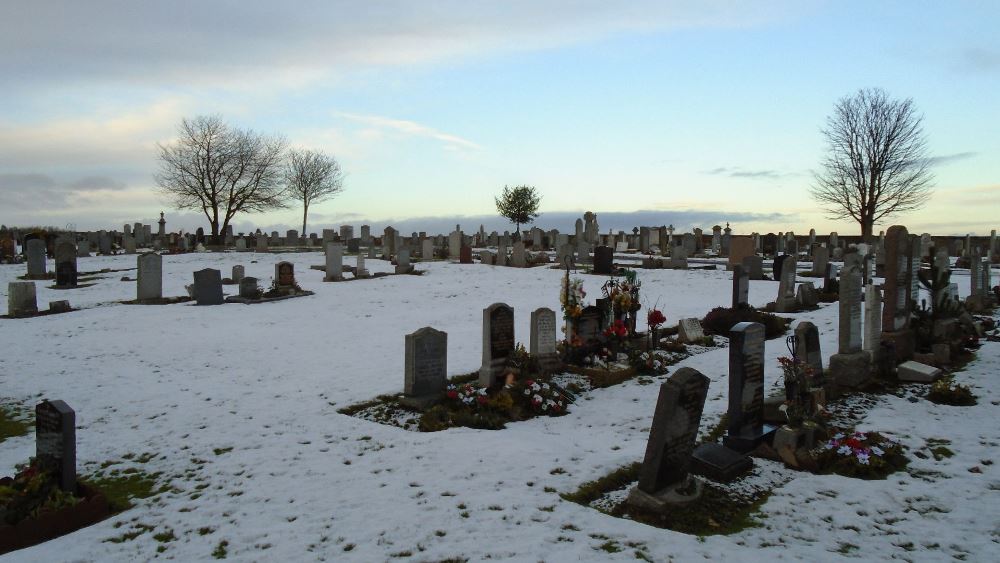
x: 949, y: 158
x: 411, y: 128
x: 765, y: 174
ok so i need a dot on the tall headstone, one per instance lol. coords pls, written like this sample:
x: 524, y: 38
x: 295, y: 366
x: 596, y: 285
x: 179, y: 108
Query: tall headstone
x: 786, y: 302
x: 821, y: 257
x: 873, y: 320
x: 498, y: 342
x: 851, y: 366
x: 426, y: 367
x: 746, y: 388
x: 896, y: 297
x: 359, y: 268
x: 543, y: 338
x: 603, y: 260
x: 403, y: 261
x: 65, y: 264
x: 208, y: 287
x: 427, y: 249
x: 517, y: 257
x: 454, y: 244
x: 35, y: 249
x: 149, y: 276
x: 741, y: 287
x: 21, y: 299
x: 672, y: 436
x: 55, y: 441
x: 334, y: 262
x: 807, y: 349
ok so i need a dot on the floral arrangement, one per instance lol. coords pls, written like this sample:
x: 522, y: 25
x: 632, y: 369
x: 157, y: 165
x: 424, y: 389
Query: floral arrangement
x: 655, y: 318
x: 32, y: 491
x: 468, y: 394
x: 867, y: 455
x: 543, y: 398
x: 799, y: 406
x: 651, y: 363
x: 571, y: 297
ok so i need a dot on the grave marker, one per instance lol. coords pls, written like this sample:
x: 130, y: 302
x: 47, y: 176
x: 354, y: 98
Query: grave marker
x: 746, y: 388
x: 21, y: 299
x: 426, y: 367
x: 741, y: 287
x: 689, y: 330
x: 149, y: 276
x: 208, y: 287
x: 66, y: 275
x: 55, y: 441
x: 334, y: 262
x: 543, y: 338
x: 498, y: 341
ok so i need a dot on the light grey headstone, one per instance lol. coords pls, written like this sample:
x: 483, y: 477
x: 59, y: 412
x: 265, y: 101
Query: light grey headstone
x: 149, y: 276
x: 850, y: 310
x: 543, y: 332
x: 334, y: 262
x: 689, y: 330
x: 873, y: 318
x: 238, y: 273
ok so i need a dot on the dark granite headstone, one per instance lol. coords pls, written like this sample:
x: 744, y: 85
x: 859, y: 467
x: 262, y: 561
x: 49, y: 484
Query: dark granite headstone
x: 66, y: 264
x: 719, y: 463
x: 741, y: 287
x: 674, y: 430
x: 588, y: 324
x: 55, y: 441
x: 426, y: 364
x: 354, y: 245
x: 498, y: 341
x: 208, y: 287
x: 248, y: 288
x: 776, y: 267
x: 284, y: 274
x: 603, y: 260
x: 807, y: 349
x: 746, y: 387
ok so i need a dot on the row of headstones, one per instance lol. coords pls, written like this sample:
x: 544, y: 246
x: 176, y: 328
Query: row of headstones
x: 207, y: 287
x: 426, y: 360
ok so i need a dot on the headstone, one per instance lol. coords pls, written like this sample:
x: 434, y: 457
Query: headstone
x: 873, y: 320
x: 65, y: 264
x: 128, y: 241
x: 896, y: 305
x: 543, y: 338
x: 805, y: 295
x: 241, y: 244
x: 403, y: 261
x: 679, y: 258
x: 83, y: 249
x: 284, y: 276
x: 55, y: 441
x: 740, y: 248
x: 807, y: 349
x: 334, y: 262
x: 208, y: 287
x: 238, y: 273
x: 673, y: 434
x: 21, y: 299
x: 427, y: 249
x: 603, y: 260
x: 754, y: 267
x: 262, y: 243
x: 689, y: 330
x: 786, y: 302
x: 517, y: 257
x: 35, y: 249
x: 741, y: 287
x: 455, y: 244
x: 621, y: 246
x: 498, y: 342
x: 426, y: 366
x: 917, y: 372
x: 485, y: 257
x: 850, y: 367
x: 248, y: 288
x: 746, y: 388
x: 821, y: 257
x: 149, y: 276
x: 465, y: 255
x: 587, y: 326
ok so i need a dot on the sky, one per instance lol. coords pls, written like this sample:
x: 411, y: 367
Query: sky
x: 658, y: 112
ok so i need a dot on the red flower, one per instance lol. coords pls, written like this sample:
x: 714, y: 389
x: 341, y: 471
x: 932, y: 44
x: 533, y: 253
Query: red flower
x: 655, y: 318
x: 529, y: 382
x: 452, y: 394
x: 482, y: 399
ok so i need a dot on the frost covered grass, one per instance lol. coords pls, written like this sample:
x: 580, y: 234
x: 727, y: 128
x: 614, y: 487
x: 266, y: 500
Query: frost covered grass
x: 234, y: 409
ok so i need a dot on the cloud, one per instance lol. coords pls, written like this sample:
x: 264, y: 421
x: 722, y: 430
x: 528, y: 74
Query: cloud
x: 949, y: 158
x: 980, y: 59
x: 35, y: 191
x: 97, y: 183
x: 766, y: 174
x: 411, y: 128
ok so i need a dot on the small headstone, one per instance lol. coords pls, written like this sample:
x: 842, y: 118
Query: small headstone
x: 689, y: 330
x: 248, y: 288
x: 21, y: 299
x: 917, y: 372
x: 403, y: 261
x: 719, y: 463
x: 741, y: 287
x: 805, y: 295
x: 426, y: 365
x: 465, y: 255
x: 543, y: 338
x: 334, y: 262
x: 208, y: 287
x: 427, y: 249
x: 603, y: 260
x: 807, y: 349
x: 238, y: 273
x: 498, y: 341
x: 61, y: 306
x: 517, y: 256
x: 359, y: 269
x: 754, y: 267
x: 55, y: 441
x: 284, y: 276
x: 35, y: 249
x: 587, y: 326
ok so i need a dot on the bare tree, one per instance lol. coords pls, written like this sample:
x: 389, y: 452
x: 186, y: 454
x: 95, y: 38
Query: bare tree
x: 876, y: 162
x: 221, y: 170
x: 312, y: 177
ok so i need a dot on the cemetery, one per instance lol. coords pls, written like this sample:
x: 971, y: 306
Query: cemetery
x: 635, y: 407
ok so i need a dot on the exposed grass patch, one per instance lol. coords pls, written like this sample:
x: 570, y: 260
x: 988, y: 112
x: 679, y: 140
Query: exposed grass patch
x: 120, y: 488
x: 354, y: 409
x: 593, y: 490
x: 220, y: 550
x: 14, y: 421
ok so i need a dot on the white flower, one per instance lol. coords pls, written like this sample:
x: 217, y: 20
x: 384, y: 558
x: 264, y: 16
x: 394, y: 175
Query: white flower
x: 877, y: 451
x: 537, y: 398
x: 844, y: 450
x: 828, y: 446
x: 838, y: 436
x: 535, y: 387
x: 545, y: 385
x: 527, y: 391
x: 863, y: 458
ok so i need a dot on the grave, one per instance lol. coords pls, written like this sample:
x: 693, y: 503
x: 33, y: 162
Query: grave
x: 719, y: 463
x: 786, y: 301
x: 284, y: 278
x: 149, y: 276
x: 208, y: 287
x: 465, y: 255
x: 55, y: 441
x: 664, y: 480
x: 403, y: 261
x: 689, y: 330
x: 740, y: 248
x: 741, y: 287
x: 896, y: 305
x: 334, y: 262
x: 746, y: 388
x: 807, y: 349
x: 873, y: 322
x: 806, y: 296
x: 918, y: 373
x: 21, y: 299
x: 587, y: 327
x: 66, y: 275
x: 35, y: 250
x: 517, y: 257
x: 498, y: 342
x: 850, y: 367
x: 754, y: 267
x: 603, y: 260
x: 426, y: 367
x: 249, y: 289
x: 543, y: 338
x: 359, y: 268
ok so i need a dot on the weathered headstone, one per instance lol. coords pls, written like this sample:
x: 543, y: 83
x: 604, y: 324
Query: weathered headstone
x: 55, y: 441
x: 741, y: 287
x: 465, y: 255
x: 671, y: 441
x: 517, y: 257
x: 208, y: 287
x: 603, y: 260
x: 248, y: 288
x: 896, y: 305
x: 754, y: 267
x: 426, y: 367
x: 65, y: 264
x: 851, y: 366
x: 807, y: 349
x: 238, y: 273
x: 403, y: 261
x: 746, y: 388
x: 21, y: 299
x: 149, y: 276
x: 786, y: 302
x: 498, y: 342
x: 427, y: 249
x: 689, y: 330
x: 284, y: 276
x: 359, y: 268
x: 821, y: 257
x: 873, y: 321
x: 334, y: 262
x: 543, y: 338
x: 35, y: 249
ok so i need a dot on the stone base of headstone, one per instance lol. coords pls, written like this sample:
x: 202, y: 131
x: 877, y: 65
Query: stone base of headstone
x: 668, y: 499
x: 719, y: 463
x: 792, y: 446
x: 59, y: 306
x: 903, y: 342
x: 851, y: 370
x: 786, y: 305
x: 772, y: 410
x: 745, y: 443
x: 916, y: 372
x: 420, y: 403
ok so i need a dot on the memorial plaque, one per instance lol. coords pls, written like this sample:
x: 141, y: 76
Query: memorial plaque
x: 426, y: 362
x: 674, y: 430
x: 55, y: 441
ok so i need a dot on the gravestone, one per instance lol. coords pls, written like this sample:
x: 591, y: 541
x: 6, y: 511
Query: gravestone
x: 603, y: 260
x: 55, y: 441
x: 248, y: 288
x: 149, y: 276
x: 35, y: 249
x: 241, y: 244
x: 805, y: 295
x: 261, y: 243
x: 621, y: 246
x: 672, y: 436
x: 21, y: 299
x: 896, y: 305
x: 238, y: 273
x: 786, y: 302
x: 128, y: 242
x: 465, y: 255
x: 426, y: 367
x: 746, y: 388
x: 353, y: 245
x: 916, y: 372
x: 588, y: 325
x: 517, y: 257
x: 821, y: 257
x: 851, y: 366
x: 66, y: 264
x: 777, y: 266
x: 208, y: 287
x: 689, y: 330
x: 807, y: 349
x: 455, y: 244
x: 359, y: 269
x: 403, y: 261
x: 498, y: 342
x: 754, y: 267
x: 284, y: 276
x: 873, y: 321
x: 741, y: 287
x: 740, y: 248
x: 83, y: 249
x: 334, y: 262
x: 427, y: 249
x: 485, y: 257
x: 543, y: 338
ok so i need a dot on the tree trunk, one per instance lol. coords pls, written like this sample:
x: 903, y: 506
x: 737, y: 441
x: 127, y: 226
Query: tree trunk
x: 517, y: 231
x: 305, y: 213
x: 867, y: 225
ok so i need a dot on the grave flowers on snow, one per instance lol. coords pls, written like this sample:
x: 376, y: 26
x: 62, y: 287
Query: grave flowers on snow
x: 622, y: 297
x: 571, y: 298
x: 654, y: 319
x: 865, y: 455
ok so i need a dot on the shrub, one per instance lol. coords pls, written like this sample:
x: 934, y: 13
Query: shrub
x: 721, y: 319
x: 946, y: 392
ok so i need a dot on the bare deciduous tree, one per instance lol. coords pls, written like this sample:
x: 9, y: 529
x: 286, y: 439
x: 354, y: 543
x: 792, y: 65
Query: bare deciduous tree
x: 221, y: 170
x: 312, y: 177
x: 876, y: 162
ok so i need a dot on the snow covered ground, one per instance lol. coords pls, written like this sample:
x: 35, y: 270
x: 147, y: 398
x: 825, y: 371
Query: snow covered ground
x: 238, y: 406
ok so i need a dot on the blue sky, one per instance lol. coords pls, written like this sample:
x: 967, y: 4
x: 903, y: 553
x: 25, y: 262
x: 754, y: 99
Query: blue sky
x: 697, y: 111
